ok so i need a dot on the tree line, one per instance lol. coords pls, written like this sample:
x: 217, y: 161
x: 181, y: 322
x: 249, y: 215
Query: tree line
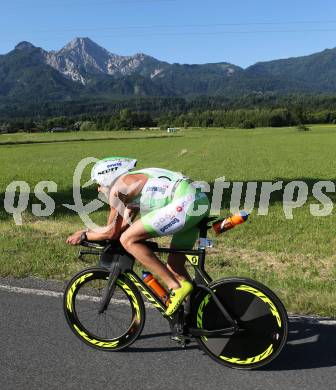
x: 247, y: 112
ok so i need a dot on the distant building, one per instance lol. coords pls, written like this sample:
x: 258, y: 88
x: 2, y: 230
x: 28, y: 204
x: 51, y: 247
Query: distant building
x: 171, y: 130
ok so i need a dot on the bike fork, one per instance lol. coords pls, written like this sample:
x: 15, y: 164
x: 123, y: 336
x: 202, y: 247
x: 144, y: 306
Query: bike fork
x: 111, y: 285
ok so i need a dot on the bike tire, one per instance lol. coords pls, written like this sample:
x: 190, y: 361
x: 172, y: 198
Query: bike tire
x: 119, y: 325
x: 259, y: 314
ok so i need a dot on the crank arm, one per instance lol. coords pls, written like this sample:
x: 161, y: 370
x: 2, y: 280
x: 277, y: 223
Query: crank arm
x: 213, y: 333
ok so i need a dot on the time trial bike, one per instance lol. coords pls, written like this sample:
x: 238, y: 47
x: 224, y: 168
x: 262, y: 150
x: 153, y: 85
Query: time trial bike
x: 237, y: 321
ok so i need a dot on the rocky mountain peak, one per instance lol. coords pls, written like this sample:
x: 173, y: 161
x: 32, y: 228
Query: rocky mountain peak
x: 85, y: 47
x: 24, y: 45
x: 82, y: 57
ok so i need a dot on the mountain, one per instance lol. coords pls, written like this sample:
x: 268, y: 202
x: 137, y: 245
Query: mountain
x: 31, y: 73
x: 82, y: 61
x: 82, y: 68
x: 24, y: 74
x: 82, y: 57
x: 316, y: 72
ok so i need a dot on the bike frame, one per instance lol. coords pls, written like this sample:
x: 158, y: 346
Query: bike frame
x: 118, y: 261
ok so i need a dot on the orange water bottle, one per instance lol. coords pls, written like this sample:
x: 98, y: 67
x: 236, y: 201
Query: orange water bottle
x: 149, y: 279
x: 228, y: 223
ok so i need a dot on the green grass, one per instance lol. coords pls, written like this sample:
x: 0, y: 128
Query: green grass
x: 36, y: 138
x: 294, y: 257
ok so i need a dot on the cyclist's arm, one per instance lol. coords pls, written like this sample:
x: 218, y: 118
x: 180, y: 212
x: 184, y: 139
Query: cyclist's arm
x: 115, y: 219
x: 129, y: 216
x: 118, y: 220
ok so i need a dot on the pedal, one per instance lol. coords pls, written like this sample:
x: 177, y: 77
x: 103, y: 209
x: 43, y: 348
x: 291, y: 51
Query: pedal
x: 177, y: 320
x: 177, y: 327
x: 176, y: 338
x: 181, y: 340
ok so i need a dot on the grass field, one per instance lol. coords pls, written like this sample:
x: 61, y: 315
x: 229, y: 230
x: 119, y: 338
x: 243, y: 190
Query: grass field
x: 26, y: 138
x: 294, y: 257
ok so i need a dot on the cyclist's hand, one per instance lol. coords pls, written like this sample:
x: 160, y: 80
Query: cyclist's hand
x: 75, y: 238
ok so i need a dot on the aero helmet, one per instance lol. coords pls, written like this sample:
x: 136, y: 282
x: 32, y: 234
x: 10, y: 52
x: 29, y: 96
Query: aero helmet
x: 105, y: 172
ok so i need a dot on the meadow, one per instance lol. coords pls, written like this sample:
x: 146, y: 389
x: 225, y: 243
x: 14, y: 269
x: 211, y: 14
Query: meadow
x: 294, y: 257
x: 34, y: 138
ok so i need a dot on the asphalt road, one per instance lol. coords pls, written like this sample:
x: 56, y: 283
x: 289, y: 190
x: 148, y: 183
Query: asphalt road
x: 38, y: 351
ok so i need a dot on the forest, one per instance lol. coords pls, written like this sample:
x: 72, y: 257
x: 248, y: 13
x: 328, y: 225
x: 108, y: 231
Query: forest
x: 249, y: 111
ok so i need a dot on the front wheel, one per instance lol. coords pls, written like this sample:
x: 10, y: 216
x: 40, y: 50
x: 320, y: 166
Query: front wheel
x: 259, y: 314
x: 113, y: 329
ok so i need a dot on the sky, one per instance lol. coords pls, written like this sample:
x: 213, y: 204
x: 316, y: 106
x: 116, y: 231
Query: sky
x: 183, y: 31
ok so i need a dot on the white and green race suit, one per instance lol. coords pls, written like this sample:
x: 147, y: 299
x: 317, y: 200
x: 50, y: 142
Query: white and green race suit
x: 171, y: 205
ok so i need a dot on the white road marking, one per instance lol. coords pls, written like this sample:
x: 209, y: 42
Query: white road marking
x: 32, y: 291
x: 307, y: 340
x: 314, y: 319
x: 55, y: 294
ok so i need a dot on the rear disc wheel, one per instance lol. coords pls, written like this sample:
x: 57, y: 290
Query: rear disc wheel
x: 259, y: 314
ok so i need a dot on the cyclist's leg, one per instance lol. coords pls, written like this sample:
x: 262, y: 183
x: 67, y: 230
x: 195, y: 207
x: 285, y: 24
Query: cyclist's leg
x: 187, y: 236
x: 184, y: 239
x: 130, y: 241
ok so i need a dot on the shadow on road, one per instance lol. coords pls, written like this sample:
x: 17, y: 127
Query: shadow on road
x: 311, y: 344
x: 160, y: 349
x: 176, y: 347
x: 152, y: 335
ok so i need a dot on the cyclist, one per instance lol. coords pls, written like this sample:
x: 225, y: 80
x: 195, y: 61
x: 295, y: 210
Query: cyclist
x: 169, y: 204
